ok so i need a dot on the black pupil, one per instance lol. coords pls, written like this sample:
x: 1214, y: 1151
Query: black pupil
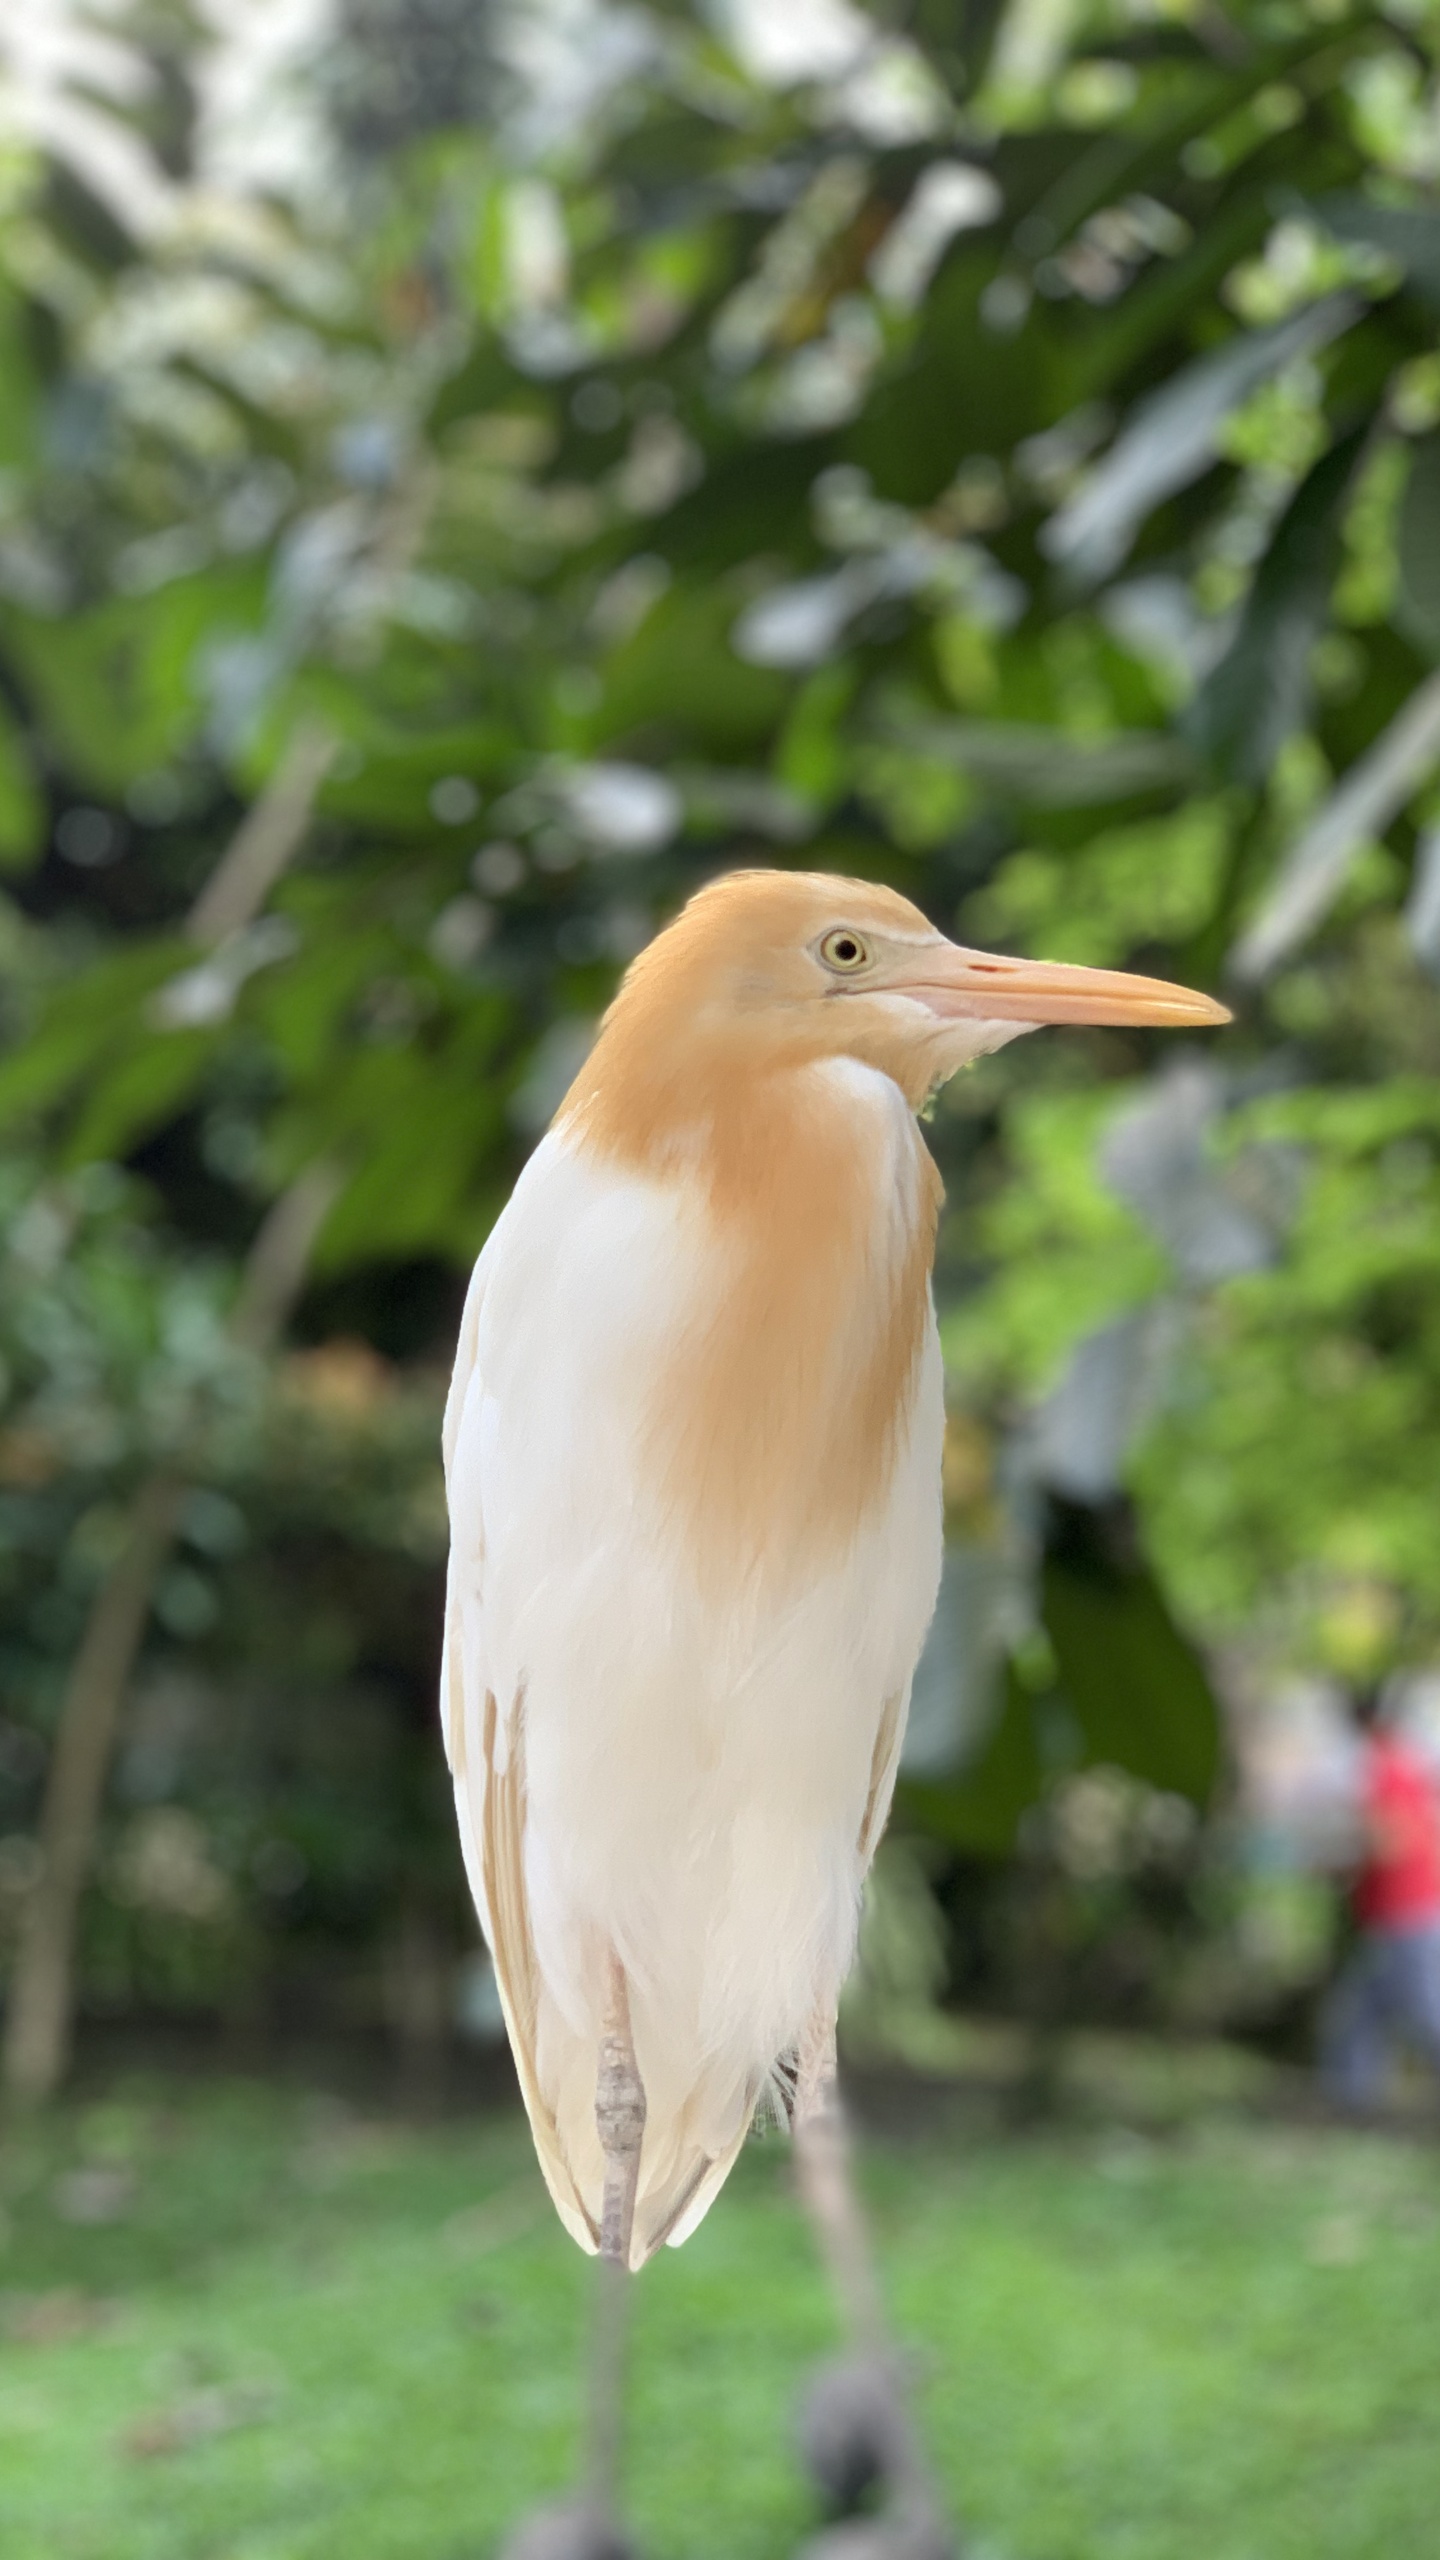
x: 845, y: 949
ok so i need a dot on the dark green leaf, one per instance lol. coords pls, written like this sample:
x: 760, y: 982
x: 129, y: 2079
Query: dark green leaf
x: 146, y: 1083
x: 1408, y: 234
x: 1420, y: 547
x: 981, y: 1811
x: 117, y: 687
x: 22, y: 810
x: 1257, y: 696
x: 19, y: 391
x: 1170, y: 438
x: 1136, y: 1684
x: 84, y: 1024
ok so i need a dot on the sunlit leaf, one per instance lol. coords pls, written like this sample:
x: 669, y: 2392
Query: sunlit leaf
x: 1043, y: 768
x: 1315, y: 869
x: 1406, y: 233
x: 1171, y: 437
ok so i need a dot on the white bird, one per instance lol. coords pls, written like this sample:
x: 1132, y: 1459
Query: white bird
x: 693, y: 1453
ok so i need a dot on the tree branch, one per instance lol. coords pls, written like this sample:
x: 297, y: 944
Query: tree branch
x: 267, y: 838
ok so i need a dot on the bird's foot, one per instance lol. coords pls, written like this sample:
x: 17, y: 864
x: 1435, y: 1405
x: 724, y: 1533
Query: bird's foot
x: 883, y: 2537
x: 849, y: 2433
x: 569, y: 2530
x: 855, y: 2440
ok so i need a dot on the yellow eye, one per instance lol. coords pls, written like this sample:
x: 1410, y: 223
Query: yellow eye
x: 844, y: 950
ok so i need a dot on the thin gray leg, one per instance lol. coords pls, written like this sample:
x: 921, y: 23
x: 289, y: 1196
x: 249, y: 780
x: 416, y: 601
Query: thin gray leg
x: 588, y: 2527
x: 828, y: 2190
x: 620, y: 2118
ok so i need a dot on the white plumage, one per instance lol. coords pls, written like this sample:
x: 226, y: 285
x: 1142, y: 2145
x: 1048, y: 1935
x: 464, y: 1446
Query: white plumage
x: 705, y: 1771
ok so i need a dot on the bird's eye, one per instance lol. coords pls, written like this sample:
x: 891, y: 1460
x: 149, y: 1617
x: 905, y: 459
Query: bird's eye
x: 844, y: 951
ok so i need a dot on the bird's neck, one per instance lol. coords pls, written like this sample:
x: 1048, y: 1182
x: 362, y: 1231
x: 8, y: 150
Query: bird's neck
x: 779, y: 1413
x: 671, y: 1087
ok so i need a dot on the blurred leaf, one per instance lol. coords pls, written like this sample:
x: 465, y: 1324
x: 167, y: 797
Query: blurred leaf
x: 1256, y: 697
x: 81, y: 1026
x: 681, y: 671
x: 1422, y: 907
x: 1164, y: 297
x: 1171, y: 437
x: 415, y: 1126
x: 19, y: 390
x: 1419, y: 546
x: 982, y: 1810
x: 1405, y: 233
x: 1137, y: 1686
x: 145, y: 1084
x: 22, y: 809
x: 118, y: 687
x: 304, y: 1006
x: 1044, y: 769
x: 1068, y: 1257
x: 1214, y: 95
x: 1315, y: 869
x: 1148, y: 881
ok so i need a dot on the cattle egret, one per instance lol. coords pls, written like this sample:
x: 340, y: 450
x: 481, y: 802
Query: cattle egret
x: 693, y: 1451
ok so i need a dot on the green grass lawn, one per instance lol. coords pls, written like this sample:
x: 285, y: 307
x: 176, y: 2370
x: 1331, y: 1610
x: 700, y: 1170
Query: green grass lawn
x: 306, y: 2336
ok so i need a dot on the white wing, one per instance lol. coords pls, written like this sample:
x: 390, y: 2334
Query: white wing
x: 486, y: 1755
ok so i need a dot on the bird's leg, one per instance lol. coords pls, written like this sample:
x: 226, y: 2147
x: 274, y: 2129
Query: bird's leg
x: 619, y: 2117
x: 620, y: 2120
x: 828, y: 2190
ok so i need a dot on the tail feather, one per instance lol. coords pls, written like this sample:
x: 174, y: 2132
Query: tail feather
x: 694, y: 2201
x: 696, y: 2126
x: 693, y: 2133
x: 516, y: 1973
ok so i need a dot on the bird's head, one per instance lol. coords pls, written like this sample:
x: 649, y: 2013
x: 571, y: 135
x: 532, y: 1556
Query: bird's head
x: 783, y: 965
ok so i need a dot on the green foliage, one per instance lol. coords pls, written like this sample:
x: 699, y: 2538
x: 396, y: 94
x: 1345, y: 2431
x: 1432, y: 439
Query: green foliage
x: 1006, y: 467
x: 1136, y: 1687
x: 1153, y: 881
x: 1315, y: 1387
x: 1254, y: 701
x: 1419, y: 546
x: 115, y: 689
x: 981, y: 1810
x: 1111, y: 1684
x: 21, y: 812
x: 1072, y: 1256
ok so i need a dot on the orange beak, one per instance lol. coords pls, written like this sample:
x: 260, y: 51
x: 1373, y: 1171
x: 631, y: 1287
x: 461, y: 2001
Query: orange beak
x: 960, y: 985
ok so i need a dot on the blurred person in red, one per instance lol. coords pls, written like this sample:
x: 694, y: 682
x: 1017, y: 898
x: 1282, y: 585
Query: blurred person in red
x: 1389, y: 1991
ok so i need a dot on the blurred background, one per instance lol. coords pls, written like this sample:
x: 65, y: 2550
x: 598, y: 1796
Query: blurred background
x: 469, y: 471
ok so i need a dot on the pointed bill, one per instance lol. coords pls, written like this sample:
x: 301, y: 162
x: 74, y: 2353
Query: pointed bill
x: 960, y: 985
